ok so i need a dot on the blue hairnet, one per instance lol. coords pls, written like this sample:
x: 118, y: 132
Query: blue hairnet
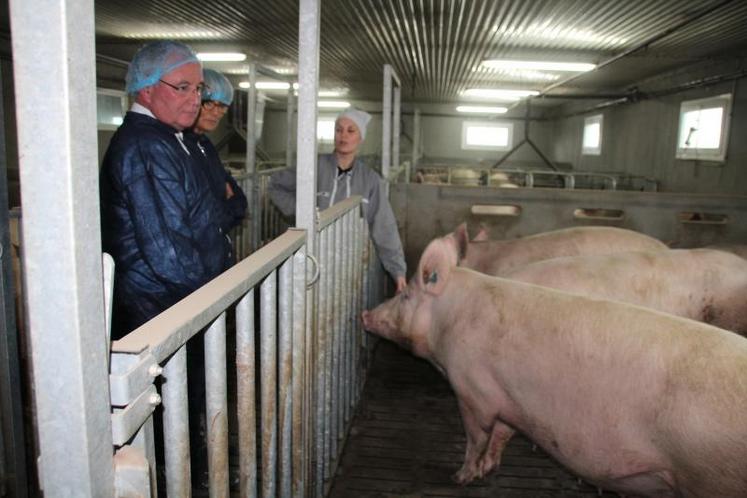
x: 217, y: 87
x: 154, y: 60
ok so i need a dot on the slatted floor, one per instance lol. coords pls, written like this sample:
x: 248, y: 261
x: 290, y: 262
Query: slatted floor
x: 407, y: 440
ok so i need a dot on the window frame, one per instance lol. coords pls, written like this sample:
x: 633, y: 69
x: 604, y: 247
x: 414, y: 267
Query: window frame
x: 490, y: 124
x: 326, y: 119
x: 724, y: 101
x: 595, y: 150
x: 111, y: 93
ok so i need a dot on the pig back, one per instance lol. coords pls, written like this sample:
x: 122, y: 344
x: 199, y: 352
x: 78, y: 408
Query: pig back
x: 499, y: 257
x: 701, y: 284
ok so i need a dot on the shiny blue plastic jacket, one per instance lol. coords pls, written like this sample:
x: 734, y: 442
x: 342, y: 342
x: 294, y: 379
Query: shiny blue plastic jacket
x: 160, y: 221
x: 235, y: 207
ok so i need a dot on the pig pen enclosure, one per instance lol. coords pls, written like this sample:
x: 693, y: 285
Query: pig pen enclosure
x: 407, y: 438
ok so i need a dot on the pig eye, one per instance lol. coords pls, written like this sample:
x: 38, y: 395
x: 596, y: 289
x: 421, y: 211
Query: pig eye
x: 433, y: 278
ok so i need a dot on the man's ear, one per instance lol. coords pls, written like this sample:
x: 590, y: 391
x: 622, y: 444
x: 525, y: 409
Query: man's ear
x: 435, y: 266
x: 144, y: 96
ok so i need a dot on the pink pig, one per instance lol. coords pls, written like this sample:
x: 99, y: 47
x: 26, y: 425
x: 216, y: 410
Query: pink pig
x: 633, y: 400
x: 496, y: 257
x: 702, y: 284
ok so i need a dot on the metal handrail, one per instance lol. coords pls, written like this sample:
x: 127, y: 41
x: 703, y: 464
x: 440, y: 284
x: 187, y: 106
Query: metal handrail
x: 611, y: 181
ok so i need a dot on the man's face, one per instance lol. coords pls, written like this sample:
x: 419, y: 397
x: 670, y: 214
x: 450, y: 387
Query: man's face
x: 175, y: 100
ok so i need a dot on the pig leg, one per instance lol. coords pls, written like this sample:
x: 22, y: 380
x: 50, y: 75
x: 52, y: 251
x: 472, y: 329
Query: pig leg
x: 499, y: 437
x: 483, y: 452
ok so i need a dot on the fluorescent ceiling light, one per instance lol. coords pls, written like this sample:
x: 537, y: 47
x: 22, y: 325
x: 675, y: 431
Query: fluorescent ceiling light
x: 333, y: 104
x: 481, y: 109
x: 497, y: 94
x: 221, y: 56
x: 273, y: 85
x: 539, y: 65
x: 244, y: 84
x: 332, y: 93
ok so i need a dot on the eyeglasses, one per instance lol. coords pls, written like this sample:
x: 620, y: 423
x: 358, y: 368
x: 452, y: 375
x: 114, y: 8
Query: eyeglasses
x: 186, y: 88
x: 214, y: 104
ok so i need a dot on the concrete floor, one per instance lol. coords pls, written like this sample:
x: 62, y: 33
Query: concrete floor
x: 407, y: 440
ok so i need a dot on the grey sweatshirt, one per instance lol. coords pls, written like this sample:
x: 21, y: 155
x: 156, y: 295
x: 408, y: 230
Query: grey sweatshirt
x: 331, y: 188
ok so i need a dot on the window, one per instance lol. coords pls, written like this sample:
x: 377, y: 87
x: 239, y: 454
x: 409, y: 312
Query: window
x: 325, y: 130
x: 490, y: 135
x: 592, y: 142
x: 704, y: 128
x: 110, y: 108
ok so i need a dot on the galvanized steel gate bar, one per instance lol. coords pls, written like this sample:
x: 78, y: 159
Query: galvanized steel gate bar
x: 54, y: 72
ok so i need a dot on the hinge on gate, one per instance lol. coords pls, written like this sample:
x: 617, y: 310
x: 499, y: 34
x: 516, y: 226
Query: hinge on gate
x: 133, y: 393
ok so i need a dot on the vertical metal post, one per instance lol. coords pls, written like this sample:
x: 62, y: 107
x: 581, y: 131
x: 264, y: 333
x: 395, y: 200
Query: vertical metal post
x: 337, y: 341
x: 309, y: 15
x: 300, y: 387
x: 53, y: 48
x: 308, y: 84
x: 269, y: 377
x: 216, y: 390
x: 396, y: 126
x: 285, y: 375
x: 359, y: 293
x: 290, y: 112
x: 348, y: 328
x: 322, y: 360
x: 176, y: 425
x: 415, y: 142
x: 329, y: 422
x: 246, y: 395
x: 386, y: 123
x: 250, y: 164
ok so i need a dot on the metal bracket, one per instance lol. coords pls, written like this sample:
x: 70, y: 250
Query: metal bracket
x: 131, y: 375
x: 126, y: 421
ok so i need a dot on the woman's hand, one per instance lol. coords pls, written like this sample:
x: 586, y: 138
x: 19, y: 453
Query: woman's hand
x: 401, y: 283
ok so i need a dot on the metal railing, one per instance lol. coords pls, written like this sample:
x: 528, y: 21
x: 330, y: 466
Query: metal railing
x: 272, y: 223
x: 310, y: 363
x: 530, y: 178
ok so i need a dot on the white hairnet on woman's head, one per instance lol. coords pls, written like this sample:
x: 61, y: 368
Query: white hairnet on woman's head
x: 154, y: 60
x: 217, y: 87
x: 360, y: 118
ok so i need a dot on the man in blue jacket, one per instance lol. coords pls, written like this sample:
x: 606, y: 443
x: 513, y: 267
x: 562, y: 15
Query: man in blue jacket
x: 160, y: 221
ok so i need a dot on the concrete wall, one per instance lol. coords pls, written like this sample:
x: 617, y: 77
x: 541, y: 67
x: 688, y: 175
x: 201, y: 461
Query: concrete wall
x: 425, y: 212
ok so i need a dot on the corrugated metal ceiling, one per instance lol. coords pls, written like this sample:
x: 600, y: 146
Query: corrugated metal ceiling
x: 436, y: 46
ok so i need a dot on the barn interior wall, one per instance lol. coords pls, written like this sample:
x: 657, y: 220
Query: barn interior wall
x: 641, y: 138
x: 441, y: 136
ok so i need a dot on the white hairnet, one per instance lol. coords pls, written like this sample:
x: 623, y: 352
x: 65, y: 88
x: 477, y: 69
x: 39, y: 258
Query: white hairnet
x: 360, y: 118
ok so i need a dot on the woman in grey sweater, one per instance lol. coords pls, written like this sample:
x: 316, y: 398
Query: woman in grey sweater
x: 340, y: 175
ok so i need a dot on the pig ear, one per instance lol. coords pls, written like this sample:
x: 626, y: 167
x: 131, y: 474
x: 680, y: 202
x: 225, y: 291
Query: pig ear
x: 462, y: 239
x: 482, y: 235
x: 435, y: 265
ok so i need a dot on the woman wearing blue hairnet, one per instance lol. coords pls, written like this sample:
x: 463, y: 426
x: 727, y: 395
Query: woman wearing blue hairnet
x: 216, y: 98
